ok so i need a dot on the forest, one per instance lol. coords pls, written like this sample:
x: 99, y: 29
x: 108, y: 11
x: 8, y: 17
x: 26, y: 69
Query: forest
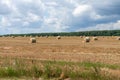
x: 81, y: 33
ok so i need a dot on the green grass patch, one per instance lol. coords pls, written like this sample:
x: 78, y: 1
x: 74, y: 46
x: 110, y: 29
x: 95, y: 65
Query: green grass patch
x: 55, y: 69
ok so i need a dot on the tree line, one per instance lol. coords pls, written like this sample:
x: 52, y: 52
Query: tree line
x: 82, y: 33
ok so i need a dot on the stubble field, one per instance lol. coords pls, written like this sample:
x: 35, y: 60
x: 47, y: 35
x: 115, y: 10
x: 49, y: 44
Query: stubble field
x: 105, y: 50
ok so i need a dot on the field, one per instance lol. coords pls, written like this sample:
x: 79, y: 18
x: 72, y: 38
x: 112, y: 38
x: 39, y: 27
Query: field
x: 96, y: 57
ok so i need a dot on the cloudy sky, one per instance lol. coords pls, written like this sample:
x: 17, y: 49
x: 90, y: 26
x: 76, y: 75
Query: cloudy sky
x: 36, y: 16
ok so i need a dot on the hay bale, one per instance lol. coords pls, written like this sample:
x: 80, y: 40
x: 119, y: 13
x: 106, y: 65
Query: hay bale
x: 81, y: 36
x: 95, y: 38
x: 3, y: 36
x: 13, y: 36
x: 46, y: 36
x: 58, y: 37
x: 32, y: 40
x: 87, y: 39
x: 118, y: 38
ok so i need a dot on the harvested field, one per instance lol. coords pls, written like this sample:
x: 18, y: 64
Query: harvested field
x: 105, y: 50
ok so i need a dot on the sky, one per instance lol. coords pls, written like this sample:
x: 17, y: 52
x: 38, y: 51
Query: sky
x: 39, y: 16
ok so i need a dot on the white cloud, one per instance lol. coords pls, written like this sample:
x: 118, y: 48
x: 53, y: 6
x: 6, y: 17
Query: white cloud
x: 58, y: 15
x: 96, y: 16
x: 53, y: 24
x: 32, y: 17
x: 87, y: 10
x: 82, y: 10
x: 107, y: 26
x: 5, y: 22
x: 51, y: 4
x: 26, y: 23
x: 51, y: 21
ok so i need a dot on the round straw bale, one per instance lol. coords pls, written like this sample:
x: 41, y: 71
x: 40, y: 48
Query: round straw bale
x: 32, y: 40
x: 87, y: 39
x: 95, y: 38
x: 58, y: 37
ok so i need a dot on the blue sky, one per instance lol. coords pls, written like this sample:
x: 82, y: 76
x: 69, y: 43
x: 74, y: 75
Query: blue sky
x: 36, y: 16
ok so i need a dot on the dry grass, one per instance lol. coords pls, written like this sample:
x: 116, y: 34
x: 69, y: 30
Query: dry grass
x: 58, y: 70
x: 106, y: 50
